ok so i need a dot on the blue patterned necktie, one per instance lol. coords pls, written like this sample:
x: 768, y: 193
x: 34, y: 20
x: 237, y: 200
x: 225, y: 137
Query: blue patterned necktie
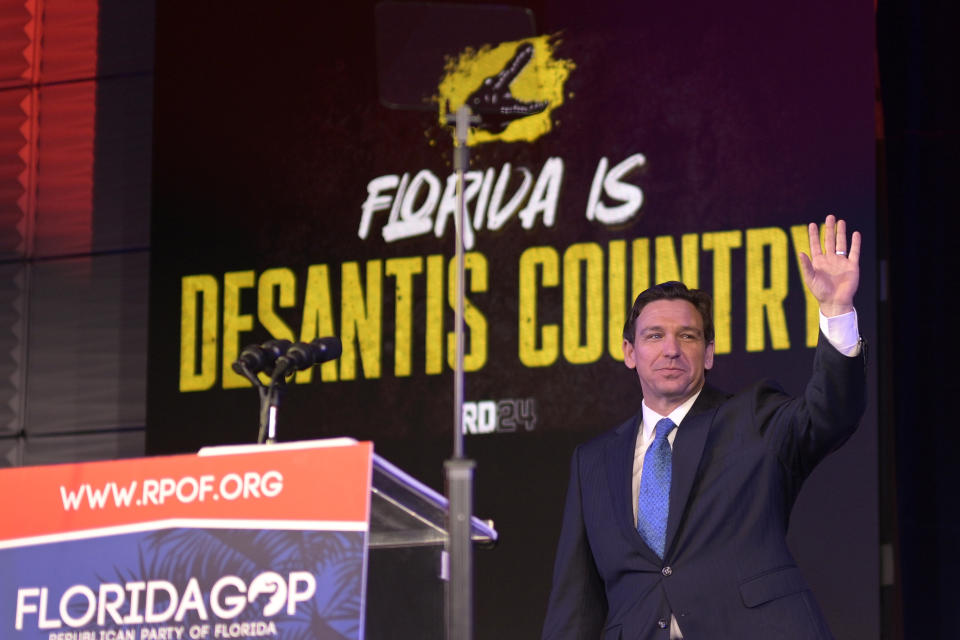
x: 653, y: 499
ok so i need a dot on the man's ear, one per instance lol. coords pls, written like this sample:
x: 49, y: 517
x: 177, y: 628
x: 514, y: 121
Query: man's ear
x: 629, y: 357
x: 708, y: 356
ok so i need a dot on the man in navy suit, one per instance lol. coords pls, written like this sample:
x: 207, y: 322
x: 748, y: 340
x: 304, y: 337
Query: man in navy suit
x: 675, y: 521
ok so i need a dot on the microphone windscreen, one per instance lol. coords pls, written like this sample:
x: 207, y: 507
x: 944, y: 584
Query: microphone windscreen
x: 328, y: 348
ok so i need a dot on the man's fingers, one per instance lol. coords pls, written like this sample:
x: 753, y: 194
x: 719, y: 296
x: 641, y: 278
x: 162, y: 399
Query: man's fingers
x: 813, y: 231
x: 806, y: 268
x: 854, y: 253
x: 841, y: 236
x: 830, y: 235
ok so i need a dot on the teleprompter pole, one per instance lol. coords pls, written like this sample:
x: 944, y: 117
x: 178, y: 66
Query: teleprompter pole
x: 459, y: 470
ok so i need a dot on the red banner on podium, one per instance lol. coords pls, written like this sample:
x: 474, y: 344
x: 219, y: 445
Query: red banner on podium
x: 238, y: 542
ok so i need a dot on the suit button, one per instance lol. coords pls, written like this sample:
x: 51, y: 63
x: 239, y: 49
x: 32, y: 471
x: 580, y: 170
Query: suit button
x: 667, y: 571
x: 662, y: 623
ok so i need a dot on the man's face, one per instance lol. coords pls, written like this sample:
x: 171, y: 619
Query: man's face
x: 669, y: 353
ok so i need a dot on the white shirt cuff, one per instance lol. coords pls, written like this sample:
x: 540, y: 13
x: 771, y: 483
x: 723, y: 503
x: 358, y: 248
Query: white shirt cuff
x: 843, y: 332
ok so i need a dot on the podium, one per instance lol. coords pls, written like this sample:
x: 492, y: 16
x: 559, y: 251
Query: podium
x: 320, y: 539
x: 407, y: 571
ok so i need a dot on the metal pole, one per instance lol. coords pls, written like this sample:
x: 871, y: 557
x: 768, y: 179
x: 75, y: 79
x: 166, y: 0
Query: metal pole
x: 459, y: 471
x: 461, y: 160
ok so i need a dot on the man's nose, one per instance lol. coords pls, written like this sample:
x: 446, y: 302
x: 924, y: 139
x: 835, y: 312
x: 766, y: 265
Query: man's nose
x: 671, y: 346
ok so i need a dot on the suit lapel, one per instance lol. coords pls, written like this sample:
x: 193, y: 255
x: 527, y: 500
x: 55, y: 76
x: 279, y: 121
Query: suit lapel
x: 619, y: 465
x: 687, y: 452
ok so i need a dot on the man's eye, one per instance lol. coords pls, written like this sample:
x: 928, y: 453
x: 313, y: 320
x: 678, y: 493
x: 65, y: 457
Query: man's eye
x: 653, y: 336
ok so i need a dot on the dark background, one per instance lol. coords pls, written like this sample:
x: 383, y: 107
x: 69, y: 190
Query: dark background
x: 918, y: 140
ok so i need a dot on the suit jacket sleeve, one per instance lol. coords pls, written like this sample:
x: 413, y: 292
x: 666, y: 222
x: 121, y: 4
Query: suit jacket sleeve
x: 824, y: 417
x: 578, y: 603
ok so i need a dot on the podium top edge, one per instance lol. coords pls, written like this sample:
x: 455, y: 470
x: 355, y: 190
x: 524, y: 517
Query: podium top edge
x: 234, y: 449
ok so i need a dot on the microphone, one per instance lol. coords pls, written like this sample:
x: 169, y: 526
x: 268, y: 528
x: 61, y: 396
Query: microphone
x: 256, y: 358
x: 303, y: 355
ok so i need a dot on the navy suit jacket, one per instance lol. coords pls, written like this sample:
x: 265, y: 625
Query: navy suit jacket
x: 738, y: 464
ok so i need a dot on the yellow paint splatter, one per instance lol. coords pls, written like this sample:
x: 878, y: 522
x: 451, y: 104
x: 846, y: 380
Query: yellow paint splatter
x: 541, y: 80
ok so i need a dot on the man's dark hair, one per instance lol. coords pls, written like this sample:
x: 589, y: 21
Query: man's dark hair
x: 672, y: 291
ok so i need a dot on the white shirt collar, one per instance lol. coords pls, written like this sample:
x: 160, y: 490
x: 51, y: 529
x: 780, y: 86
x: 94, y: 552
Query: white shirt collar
x: 651, y: 417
